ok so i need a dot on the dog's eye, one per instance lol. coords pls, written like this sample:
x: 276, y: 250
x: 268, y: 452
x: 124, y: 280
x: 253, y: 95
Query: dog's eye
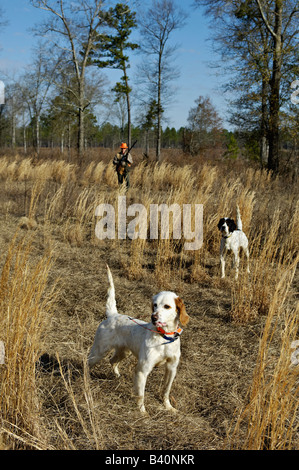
x: 155, y: 305
x: 167, y: 306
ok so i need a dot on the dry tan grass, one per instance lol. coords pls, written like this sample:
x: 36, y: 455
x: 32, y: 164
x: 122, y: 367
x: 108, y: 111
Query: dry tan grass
x: 271, y: 415
x: 239, y: 338
x: 24, y: 311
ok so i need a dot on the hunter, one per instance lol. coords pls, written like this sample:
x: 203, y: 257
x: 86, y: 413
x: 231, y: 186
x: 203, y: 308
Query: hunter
x: 123, y: 161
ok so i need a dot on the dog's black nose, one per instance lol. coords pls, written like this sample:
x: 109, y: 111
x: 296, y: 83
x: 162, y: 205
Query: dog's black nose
x: 154, y: 318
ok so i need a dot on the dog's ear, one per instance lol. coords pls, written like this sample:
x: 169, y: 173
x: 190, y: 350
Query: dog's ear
x: 220, y: 223
x: 232, y: 225
x: 180, y: 308
x: 154, y: 297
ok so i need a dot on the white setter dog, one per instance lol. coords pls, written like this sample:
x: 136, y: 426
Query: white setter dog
x: 153, y: 344
x: 233, y: 238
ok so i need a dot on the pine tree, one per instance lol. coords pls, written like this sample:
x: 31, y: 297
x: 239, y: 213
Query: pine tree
x: 113, y: 47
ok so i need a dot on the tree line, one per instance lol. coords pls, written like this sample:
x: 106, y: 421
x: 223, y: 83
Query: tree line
x: 106, y: 135
x: 58, y: 99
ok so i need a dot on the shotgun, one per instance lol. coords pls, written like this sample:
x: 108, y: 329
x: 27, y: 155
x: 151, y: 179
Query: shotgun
x: 129, y: 150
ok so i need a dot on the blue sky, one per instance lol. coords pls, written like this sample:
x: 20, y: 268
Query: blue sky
x: 193, y: 56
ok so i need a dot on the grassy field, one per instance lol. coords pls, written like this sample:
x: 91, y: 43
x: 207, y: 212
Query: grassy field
x: 236, y: 386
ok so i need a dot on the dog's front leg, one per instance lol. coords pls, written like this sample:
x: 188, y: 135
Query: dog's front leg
x: 170, y: 373
x: 222, y: 263
x: 222, y: 257
x: 141, y: 374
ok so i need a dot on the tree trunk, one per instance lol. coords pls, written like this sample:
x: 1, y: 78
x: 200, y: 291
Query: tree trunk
x: 37, y: 135
x: 159, y: 113
x: 129, y: 120
x: 13, y: 137
x: 62, y: 143
x: 147, y: 143
x: 81, y: 134
x: 264, y: 148
x: 273, y: 161
x: 24, y: 140
x: 128, y: 108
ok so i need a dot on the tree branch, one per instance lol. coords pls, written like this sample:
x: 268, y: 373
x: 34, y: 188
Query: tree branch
x: 265, y: 19
x: 295, y: 10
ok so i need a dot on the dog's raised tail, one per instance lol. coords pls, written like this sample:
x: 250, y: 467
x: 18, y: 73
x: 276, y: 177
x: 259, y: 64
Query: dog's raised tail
x: 111, y: 308
x: 239, y: 221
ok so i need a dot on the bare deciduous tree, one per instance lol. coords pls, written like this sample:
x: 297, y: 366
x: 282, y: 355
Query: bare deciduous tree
x: 156, y: 25
x: 72, y: 28
x: 204, y: 126
x: 34, y: 86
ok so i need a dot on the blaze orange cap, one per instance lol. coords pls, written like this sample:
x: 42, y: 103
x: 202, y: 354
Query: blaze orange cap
x: 124, y: 146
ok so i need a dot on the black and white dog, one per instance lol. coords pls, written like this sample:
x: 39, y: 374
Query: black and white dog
x: 233, y: 238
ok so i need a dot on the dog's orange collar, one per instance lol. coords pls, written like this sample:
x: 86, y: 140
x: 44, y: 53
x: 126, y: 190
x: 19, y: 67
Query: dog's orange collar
x: 178, y: 331
x: 170, y: 337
